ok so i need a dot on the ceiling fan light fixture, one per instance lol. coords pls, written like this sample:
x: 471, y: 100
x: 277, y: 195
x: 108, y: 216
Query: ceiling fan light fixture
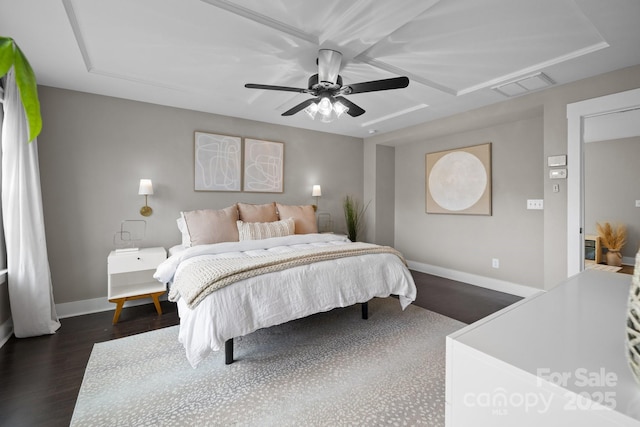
x: 312, y: 110
x: 328, y: 91
x: 340, y: 108
x: 328, y: 111
x: 325, y: 107
x: 328, y: 118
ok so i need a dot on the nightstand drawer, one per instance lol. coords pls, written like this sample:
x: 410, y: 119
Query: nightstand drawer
x: 144, y: 259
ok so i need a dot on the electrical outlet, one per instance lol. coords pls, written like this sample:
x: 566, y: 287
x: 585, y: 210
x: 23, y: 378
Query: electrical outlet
x: 535, y: 204
x: 495, y: 263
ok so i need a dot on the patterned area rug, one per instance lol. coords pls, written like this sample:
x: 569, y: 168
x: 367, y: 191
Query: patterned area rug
x: 324, y: 370
x: 601, y: 267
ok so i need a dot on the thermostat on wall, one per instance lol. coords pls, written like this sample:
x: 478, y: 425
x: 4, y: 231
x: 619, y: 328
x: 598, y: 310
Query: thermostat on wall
x: 558, y: 173
x: 557, y: 160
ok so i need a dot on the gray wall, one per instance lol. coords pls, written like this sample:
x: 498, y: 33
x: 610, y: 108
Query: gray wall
x: 463, y: 246
x: 469, y: 242
x: 94, y: 149
x: 611, y: 188
x: 385, y: 188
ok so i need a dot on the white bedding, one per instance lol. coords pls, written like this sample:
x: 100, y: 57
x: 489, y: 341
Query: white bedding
x: 274, y: 298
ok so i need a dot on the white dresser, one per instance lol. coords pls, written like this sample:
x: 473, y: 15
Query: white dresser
x: 553, y: 359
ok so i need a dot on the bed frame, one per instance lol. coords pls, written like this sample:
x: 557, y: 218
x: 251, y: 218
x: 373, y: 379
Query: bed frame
x: 228, y: 344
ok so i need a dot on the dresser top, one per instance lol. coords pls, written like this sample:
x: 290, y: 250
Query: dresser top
x: 579, y: 324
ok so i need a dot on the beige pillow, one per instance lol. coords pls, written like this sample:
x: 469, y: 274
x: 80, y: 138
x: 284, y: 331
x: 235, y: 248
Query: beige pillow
x: 207, y: 226
x: 303, y: 215
x: 265, y: 230
x: 257, y: 213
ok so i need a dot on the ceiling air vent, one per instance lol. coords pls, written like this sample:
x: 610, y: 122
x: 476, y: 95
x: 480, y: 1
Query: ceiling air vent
x: 524, y: 85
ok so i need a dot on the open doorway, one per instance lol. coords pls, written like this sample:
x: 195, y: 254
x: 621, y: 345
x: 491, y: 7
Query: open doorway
x: 582, y: 117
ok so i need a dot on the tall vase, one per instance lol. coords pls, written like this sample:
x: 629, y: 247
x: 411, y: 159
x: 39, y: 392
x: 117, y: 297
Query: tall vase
x: 614, y: 258
x: 633, y: 323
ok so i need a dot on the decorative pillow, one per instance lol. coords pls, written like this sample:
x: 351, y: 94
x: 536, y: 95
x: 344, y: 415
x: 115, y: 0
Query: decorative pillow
x: 257, y: 213
x: 265, y: 230
x: 303, y: 215
x: 211, y: 226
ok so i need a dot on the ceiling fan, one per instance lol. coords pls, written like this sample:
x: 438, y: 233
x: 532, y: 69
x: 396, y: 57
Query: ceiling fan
x: 328, y: 91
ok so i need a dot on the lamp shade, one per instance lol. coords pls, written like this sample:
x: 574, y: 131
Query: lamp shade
x: 317, y: 191
x: 146, y: 187
x: 325, y: 106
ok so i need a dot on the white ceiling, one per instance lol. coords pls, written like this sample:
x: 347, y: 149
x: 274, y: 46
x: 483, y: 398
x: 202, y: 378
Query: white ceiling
x: 198, y: 54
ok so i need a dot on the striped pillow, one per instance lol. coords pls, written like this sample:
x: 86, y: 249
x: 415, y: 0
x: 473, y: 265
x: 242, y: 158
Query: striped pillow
x: 265, y: 230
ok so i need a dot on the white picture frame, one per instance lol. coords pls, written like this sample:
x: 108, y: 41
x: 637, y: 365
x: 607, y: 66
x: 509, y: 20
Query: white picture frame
x: 263, y: 166
x: 217, y: 162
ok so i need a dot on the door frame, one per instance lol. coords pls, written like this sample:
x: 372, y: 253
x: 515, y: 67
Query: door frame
x: 577, y: 112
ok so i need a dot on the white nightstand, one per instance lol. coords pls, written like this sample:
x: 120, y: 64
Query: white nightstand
x: 130, y: 276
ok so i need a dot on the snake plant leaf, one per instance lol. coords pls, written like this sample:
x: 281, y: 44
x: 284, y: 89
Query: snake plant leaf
x: 11, y: 55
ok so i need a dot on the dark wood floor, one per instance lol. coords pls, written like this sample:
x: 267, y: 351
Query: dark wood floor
x: 40, y: 377
x: 458, y: 300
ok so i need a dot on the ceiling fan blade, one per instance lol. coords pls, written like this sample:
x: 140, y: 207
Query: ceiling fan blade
x: 354, y: 110
x: 300, y: 107
x: 375, y: 85
x: 328, y: 65
x: 269, y: 87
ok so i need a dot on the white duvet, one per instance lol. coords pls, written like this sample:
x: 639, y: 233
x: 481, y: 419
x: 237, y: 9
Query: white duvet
x: 275, y: 298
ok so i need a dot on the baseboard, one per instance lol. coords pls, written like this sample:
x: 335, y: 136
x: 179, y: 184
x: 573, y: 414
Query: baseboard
x: 474, y: 279
x: 95, y: 305
x: 76, y: 308
x: 6, y: 330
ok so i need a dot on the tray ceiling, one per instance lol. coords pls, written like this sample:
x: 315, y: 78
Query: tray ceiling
x: 198, y: 54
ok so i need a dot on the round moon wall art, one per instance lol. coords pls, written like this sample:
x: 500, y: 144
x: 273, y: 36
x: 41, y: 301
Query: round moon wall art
x: 459, y: 181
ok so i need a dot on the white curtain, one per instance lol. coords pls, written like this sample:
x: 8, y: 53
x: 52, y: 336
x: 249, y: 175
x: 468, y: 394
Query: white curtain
x: 29, y: 278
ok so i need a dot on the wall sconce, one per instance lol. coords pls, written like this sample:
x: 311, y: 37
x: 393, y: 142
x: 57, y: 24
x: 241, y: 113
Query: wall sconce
x: 316, y: 192
x: 146, y: 189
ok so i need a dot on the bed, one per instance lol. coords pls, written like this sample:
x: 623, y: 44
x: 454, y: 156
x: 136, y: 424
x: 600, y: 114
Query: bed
x: 229, y: 289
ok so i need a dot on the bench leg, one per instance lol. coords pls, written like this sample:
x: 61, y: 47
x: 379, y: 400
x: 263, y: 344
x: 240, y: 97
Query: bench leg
x: 365, y: 310
x: 228, y: 351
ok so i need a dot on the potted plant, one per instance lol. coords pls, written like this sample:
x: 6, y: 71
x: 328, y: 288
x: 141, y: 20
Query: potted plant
x: 354, y: 216
x: 613, y: 238
x: 12, y: 56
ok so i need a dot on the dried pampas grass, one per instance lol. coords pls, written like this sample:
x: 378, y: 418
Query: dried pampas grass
x: 612, y: 238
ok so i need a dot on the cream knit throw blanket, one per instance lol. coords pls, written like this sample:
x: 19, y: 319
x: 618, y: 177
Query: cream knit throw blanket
x: 200, y: 278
